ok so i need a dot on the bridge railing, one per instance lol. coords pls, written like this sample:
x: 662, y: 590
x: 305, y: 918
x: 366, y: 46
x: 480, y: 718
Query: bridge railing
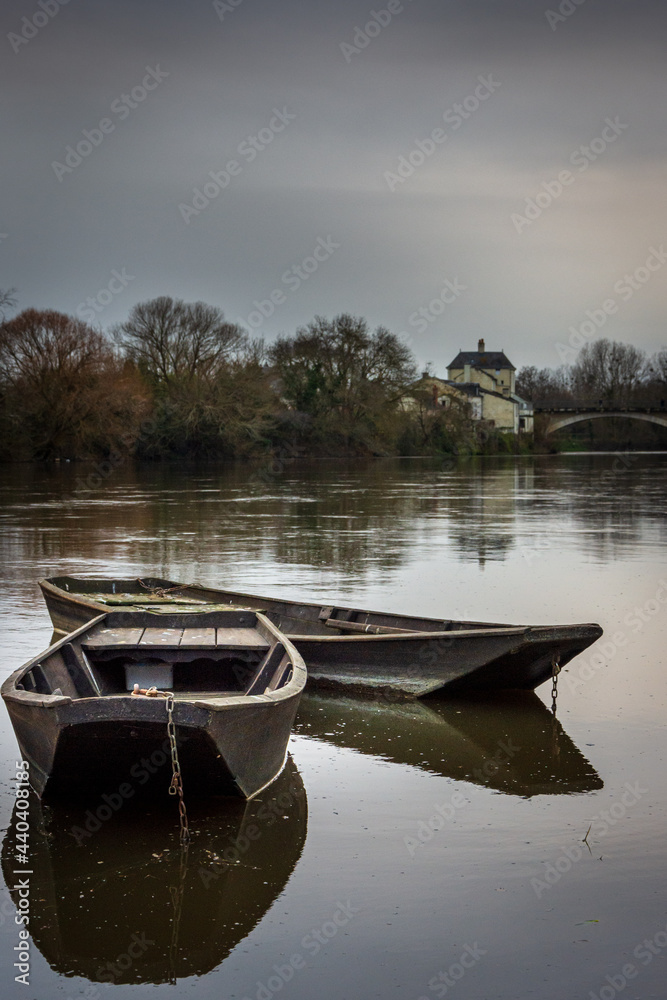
x: 646, y: 397
x: 588, y: 407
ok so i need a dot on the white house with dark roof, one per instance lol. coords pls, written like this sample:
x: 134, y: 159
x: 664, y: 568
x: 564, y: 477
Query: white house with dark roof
x: 492, y: 370
x: 493, y: 375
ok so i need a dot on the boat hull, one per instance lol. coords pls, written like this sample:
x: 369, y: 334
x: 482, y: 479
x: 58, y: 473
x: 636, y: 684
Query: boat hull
x: 86, y: 747
x: 429, y: 656
x: 445, y: 663
x: 230, y: 741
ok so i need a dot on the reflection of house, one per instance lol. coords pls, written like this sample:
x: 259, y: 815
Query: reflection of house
x: 492, y: 377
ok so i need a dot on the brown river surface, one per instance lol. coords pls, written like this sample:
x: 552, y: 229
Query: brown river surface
x: 475, y: 850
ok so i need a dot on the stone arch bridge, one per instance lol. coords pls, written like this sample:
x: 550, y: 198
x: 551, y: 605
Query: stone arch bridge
x: 559, y: 417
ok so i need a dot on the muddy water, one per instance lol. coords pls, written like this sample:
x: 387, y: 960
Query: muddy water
x: 467, y: 849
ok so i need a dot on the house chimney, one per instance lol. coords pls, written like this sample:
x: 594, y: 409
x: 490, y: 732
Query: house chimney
x: 480, y: 347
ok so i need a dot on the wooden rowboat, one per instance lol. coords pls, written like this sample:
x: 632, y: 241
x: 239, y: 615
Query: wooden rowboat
x: 401, y: 655
x: 84, y: 719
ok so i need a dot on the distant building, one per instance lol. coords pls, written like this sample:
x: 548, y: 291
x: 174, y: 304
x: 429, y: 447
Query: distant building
x: 491, y: 370
x: 494, y: 376
x: 440, y: 392
x: 485, y: 380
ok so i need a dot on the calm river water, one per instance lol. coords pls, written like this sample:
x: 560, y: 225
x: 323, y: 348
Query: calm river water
x: 467, y: 850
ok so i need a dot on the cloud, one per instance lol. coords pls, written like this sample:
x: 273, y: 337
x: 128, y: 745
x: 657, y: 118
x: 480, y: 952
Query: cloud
x: 325, y: 175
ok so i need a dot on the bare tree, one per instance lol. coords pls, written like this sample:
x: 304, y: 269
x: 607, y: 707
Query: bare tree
x: 656, y: 379
x: 339, y: 365
x: 63, y: 391
x: 544, y: 386
x: 657, y: 366
x: 171, y: 339
x: 608, y: 371
x: 7, y: 301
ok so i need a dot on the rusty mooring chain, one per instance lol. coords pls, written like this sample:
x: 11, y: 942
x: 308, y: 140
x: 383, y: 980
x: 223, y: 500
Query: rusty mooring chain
x: 176, y: 786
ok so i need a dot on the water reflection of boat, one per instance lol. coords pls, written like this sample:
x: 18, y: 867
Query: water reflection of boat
x: 116, y: 900
x: 512, y: 744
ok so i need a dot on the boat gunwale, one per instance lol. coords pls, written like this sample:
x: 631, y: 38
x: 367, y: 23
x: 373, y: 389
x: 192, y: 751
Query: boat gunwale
x: 294, y: 686
x: 10, y: 692
x: 77, y: 598
x: 491, y: 629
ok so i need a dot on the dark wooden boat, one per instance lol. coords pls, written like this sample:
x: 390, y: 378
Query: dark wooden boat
x: 401, y: 654
x: 236, y: 683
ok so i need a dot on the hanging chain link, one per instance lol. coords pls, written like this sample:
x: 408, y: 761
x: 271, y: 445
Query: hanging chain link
x: 555, y: 670
x: 176, y: 786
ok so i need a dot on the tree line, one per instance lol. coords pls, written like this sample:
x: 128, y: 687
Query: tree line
x: 606, y: 374
x: 177, y: 379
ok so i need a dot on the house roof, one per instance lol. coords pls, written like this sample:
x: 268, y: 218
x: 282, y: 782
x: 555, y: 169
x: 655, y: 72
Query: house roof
x: 466, y: 388
x: 430, y: 380
x: 469, y: 388
x: 485, y: 359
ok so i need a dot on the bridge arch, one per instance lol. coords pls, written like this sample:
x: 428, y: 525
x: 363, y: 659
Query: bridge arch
x: 556, y: 422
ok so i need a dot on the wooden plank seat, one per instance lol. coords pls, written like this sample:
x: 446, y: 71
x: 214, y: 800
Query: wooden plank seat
x: 163, y: 640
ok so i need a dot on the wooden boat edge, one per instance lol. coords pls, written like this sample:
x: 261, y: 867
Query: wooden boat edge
x: 57, y: 592
x: 296, y: 684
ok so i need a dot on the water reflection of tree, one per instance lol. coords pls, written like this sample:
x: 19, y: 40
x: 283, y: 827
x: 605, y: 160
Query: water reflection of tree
x: 611, y: 502
x: 354, y: 518
x: 482, y: 508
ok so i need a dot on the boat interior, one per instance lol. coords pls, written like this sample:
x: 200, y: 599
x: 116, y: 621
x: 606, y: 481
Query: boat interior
x: 293, y: 618
x: 217, y: 654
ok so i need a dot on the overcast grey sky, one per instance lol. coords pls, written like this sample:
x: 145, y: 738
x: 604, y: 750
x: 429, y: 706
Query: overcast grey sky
x: 404, y: 153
